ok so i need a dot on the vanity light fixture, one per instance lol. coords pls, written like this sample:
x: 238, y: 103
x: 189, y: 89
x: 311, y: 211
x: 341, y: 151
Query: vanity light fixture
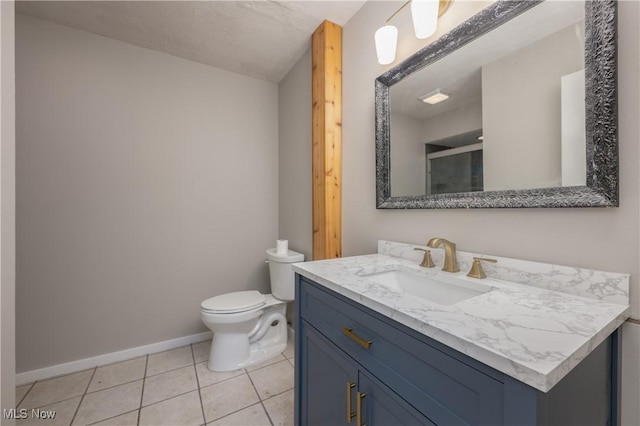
x: 386, y: 41
x: 424, y: 13
x: 434, y: 97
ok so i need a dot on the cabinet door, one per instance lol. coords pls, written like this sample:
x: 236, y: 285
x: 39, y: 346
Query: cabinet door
x: 329, y: 381
x: 380, y: 406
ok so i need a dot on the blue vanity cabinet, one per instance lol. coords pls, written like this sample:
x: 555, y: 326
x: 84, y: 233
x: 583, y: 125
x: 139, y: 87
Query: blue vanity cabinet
x: 338, y: 393
x: 405, y: 378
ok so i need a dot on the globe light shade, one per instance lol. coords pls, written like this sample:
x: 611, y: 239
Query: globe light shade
x: 425, y: 17
x: 386, y: 41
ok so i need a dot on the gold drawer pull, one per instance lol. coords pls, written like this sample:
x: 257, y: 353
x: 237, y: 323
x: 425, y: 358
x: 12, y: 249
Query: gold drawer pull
x: 350, y: 414
x: 359, y: 397
x: 359, y: 340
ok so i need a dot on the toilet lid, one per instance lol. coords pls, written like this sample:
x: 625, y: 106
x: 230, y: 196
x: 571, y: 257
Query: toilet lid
x: 238, y: 301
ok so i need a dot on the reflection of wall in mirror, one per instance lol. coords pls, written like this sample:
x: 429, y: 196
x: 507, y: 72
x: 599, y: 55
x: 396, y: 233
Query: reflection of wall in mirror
x: 463, y: 119
x: 407, y: 156
x: 521, y: 111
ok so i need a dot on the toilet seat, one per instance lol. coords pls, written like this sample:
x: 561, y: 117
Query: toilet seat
x: 231, y: 303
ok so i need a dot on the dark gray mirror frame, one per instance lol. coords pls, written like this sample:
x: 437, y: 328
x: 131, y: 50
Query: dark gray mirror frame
x: 601, y: 189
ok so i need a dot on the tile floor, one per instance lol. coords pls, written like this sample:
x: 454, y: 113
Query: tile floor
x: 168, y: 388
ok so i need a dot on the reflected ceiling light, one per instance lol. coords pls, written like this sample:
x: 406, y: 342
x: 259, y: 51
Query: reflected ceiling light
x: 425, y: 14
x: 434, y: 97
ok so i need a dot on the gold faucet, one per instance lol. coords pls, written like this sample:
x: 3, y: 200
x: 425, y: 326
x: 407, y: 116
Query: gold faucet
x: 426, y: 260
x: 450, y: 262
x: 476, y: 269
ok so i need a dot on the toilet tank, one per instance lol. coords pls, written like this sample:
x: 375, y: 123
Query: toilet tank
x: 281, y: 274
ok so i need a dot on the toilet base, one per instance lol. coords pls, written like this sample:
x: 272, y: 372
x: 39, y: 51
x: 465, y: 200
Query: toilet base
x: 256, y: 356
x: 233, y: 351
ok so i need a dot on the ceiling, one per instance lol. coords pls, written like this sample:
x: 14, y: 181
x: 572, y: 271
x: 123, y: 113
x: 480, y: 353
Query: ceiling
x: 261, y: 39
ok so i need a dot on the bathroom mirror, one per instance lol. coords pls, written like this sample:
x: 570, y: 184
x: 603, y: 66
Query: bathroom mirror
x: 516, y: 107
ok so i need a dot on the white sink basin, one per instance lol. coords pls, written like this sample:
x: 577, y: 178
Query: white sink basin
x: 438, y: 289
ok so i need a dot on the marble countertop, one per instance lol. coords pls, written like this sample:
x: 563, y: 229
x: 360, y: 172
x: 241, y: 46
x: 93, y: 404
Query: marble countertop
x: 531, y: 333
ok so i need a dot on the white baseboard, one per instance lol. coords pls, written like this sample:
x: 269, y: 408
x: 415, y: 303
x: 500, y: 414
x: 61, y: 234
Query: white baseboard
x: 96, y: 361
x: 292, y: 333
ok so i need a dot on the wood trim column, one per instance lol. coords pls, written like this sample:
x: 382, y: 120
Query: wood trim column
x: 326, y: 50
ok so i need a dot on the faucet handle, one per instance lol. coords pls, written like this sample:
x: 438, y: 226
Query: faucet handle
x: 427, y: 262
x: 476, y: 268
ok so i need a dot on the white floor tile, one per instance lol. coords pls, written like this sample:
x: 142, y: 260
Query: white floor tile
x: 115, y: 392
x: 128, y: 419
x: 21, y: 391
x: 227, y: 397
x: 184, y: 410
x: 117, y: 374
x: 201, y: 351
x: 169, y: 360
x: 109, y: 403
x: 280, y: 408
x: 167, y: 385
x: 253, y: 415
x: 207, y: 377
x: 58, y: 389
x: 273, y: 380
x: 58, y: 414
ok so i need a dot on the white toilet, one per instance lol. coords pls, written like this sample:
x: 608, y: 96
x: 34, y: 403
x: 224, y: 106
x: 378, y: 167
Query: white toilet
x: 250, y: 327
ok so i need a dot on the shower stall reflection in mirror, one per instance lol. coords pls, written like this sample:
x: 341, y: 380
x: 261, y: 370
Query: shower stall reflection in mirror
x: 454, y: 170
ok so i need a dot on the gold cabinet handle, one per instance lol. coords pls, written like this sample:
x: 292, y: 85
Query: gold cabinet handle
x: 359, y: 397
x: 359, y: 340
x: 350, y: 414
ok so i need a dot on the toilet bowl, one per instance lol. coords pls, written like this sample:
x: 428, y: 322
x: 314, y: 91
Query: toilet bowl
x: 250, y: 327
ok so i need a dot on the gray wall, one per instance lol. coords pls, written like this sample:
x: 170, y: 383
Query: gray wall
x: 145, y: 184
x: 605, y: 239
x: 7, y: 212
x: 294, y: 153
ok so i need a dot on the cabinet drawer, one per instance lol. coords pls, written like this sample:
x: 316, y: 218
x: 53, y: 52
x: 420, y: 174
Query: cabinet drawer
x: 445, y: 387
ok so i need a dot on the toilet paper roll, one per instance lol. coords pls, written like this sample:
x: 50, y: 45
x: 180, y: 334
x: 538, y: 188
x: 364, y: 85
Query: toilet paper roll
x: 282, y: 246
